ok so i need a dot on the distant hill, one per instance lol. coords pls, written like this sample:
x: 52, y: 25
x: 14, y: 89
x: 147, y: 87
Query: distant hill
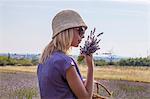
x: 114, y: 58
x: 20, y: 56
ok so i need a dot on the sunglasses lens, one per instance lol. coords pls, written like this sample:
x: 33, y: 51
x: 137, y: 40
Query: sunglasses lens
x: 81, y: 29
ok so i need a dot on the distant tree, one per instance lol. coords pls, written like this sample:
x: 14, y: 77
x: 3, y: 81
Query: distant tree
x: 8, y: 56
x: 134, y: 62
x: 3, y: 60
x: 35, y: 61
x: 100, y: 62
x: 24, y: 62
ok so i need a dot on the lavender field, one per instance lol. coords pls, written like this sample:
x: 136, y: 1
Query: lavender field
x: 20, y: 82
x: 22, y: 85
x: 18, y: 86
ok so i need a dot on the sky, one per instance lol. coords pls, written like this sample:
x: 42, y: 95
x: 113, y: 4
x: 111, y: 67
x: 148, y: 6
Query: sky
x: 25, y: 25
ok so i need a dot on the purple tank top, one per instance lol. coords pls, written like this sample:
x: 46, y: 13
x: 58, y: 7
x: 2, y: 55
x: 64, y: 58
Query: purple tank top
x: 52, y: 77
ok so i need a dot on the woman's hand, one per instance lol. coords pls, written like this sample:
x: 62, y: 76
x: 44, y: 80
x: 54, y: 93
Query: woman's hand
x: 88, y: 60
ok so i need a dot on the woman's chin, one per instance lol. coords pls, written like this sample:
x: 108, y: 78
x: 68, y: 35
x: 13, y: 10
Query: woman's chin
x: 76, y: 45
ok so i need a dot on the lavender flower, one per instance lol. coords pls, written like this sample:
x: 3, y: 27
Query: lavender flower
x: 90, y: 46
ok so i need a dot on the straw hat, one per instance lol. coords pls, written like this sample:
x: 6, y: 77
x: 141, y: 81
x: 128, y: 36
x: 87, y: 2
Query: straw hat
x: 66, y: 19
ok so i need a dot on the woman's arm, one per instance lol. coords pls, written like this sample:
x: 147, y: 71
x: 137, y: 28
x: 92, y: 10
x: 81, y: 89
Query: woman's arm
x: 81, y: 90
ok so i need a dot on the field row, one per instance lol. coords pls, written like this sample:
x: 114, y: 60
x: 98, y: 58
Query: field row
x: 139, y: 74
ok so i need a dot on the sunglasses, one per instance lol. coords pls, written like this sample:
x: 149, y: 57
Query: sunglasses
x: 81, y: 31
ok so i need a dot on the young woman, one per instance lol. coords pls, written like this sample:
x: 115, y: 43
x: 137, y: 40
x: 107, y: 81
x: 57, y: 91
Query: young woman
x: 58, y: 74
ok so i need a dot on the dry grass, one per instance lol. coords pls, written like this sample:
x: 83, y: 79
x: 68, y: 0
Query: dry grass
x: 140, y: 74
x: 13, y: 69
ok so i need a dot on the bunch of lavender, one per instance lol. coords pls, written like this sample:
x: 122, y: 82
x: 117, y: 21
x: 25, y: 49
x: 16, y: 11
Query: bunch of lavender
x: 90, y: 46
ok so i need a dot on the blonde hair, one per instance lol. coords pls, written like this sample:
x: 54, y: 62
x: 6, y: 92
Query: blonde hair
x: 62, y: 42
